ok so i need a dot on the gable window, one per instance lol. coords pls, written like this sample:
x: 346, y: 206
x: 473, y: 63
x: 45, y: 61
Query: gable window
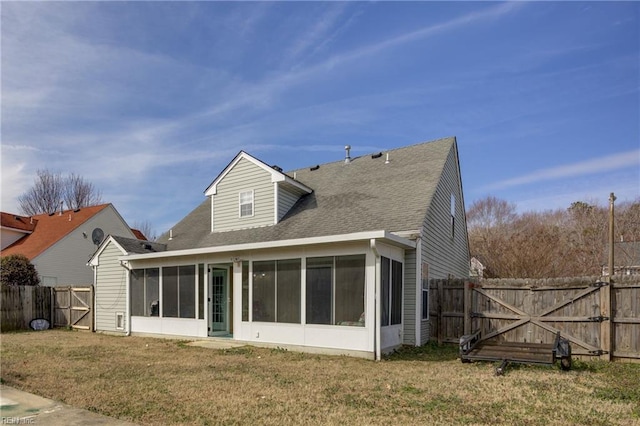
x: 246, y: 203
x: 391, y: 286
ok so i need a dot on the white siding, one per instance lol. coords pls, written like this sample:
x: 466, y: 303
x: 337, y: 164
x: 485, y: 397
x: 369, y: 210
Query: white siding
x: 66, y: 261
x: 286, y: 200
x: 110, y: 289
x: 245, y: 176
x: 445, y: 255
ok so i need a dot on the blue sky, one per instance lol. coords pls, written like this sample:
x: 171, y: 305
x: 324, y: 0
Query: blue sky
x: 150, y: 100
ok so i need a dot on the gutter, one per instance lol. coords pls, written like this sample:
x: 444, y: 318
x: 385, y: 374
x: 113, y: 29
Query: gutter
x: 356, y: 236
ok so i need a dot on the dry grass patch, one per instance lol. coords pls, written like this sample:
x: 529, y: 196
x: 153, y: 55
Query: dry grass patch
x: 158, y: 381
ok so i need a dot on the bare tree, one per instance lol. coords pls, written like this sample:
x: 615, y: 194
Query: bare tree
x: 50, y: 189
x: 45, y: 194
x: 80, y: 193
x: 146, y: 229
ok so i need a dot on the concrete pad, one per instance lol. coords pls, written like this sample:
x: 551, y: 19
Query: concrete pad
x: 216, y: 344
x: 18, y: 407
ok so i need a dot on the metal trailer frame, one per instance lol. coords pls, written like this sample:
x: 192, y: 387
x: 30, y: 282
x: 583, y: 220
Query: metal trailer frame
x: 474, y: 348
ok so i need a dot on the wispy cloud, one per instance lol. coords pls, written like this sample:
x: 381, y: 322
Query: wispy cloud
x: 589, y: 167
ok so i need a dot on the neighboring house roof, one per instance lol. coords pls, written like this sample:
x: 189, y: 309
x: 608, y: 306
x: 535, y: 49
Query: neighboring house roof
x: 139, y: 235
x: 50, y: 229
x: 21, y: 223
x: 366, y: 194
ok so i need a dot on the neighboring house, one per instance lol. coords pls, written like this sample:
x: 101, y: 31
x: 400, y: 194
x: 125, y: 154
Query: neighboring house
x: 335, y: 257
x: 477, y: 268
x: 626, y: 258
x: 60, y: 244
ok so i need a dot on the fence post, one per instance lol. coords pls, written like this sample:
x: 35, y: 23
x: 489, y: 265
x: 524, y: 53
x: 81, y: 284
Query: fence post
x: 467, y: 307
x: 606, y: 335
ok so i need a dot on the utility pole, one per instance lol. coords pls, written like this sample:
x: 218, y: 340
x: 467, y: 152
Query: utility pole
x: 607, y: 331
x: 612, y: 199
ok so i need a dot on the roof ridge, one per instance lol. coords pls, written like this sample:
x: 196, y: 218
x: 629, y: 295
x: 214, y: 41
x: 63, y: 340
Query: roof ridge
x: 453, y: 138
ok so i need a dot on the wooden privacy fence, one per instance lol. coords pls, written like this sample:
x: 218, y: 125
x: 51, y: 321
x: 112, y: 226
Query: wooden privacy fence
x: 21, y: 304
x: 61, y: 306
x: 598, y: 318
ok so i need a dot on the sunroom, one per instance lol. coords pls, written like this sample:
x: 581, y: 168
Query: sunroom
x: 316, y: 294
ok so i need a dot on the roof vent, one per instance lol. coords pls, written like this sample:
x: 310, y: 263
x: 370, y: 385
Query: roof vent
x: 387, y: 160
x: 378, y: 155
x: 277, y: 168
x: 347, y: 158
x: 315, y: 167
x: 61, y: 207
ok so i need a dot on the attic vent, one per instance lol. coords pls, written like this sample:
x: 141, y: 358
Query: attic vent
x: 17, y: 218
x: 76, y: 210
x: 378, y: 155
x: 277, y: 168
x: 315, y: 167
x: 347, y: 158
x: 147, y: 246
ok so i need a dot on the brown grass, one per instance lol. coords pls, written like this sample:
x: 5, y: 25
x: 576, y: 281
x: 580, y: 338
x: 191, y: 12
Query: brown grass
x: 158, y: 381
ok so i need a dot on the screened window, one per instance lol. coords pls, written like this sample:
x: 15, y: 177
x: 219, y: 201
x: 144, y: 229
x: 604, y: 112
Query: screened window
x: 201, y: 291
x: 178, y: 292
x: 391, y: 289
x: 276, y: 291
x: 245, y: 291
x: 335, y: 290
x: 246, y: 203
x: 145, y: 292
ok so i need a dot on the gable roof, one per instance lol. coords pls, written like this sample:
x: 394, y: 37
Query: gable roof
x: 126, y: 246
x: 139, y: 235
x: 51, y: 229
x: 366, y: 194
x: 276, y: 175
x: 20, y: 223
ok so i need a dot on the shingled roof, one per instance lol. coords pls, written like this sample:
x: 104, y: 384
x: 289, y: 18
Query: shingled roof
x: 366, y: 194
x: 136, y: 246
x: 50, y: 229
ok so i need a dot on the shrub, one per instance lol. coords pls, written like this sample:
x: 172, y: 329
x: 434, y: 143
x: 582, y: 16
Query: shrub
x: 16, y: 269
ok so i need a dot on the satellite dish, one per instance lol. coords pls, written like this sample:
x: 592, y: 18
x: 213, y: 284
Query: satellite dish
x: 97, y: 236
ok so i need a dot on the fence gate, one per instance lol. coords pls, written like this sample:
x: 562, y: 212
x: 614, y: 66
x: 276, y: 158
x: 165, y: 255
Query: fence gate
x: 73, y: 307
x: 525, y: 313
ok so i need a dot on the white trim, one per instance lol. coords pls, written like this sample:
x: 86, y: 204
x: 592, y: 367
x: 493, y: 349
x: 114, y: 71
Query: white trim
x: 276, y: 176
x: 275, y: 203
x: 94, y: 261
x: 356, y: 236
x: 212, y: 215
x: 418, y: 313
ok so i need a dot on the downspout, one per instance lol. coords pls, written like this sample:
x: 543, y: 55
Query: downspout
x: 95, y: 281
x: 127, y: 308
x: 419, y: 307
x: 376, y: 325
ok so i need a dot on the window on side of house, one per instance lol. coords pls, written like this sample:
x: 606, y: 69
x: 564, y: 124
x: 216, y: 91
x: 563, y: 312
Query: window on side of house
x: 145, y: 292
x: 425, y: 291
x: 335, y: 290
x: 453, y: 215
x: 245, y: 199
x: 391, y: 289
